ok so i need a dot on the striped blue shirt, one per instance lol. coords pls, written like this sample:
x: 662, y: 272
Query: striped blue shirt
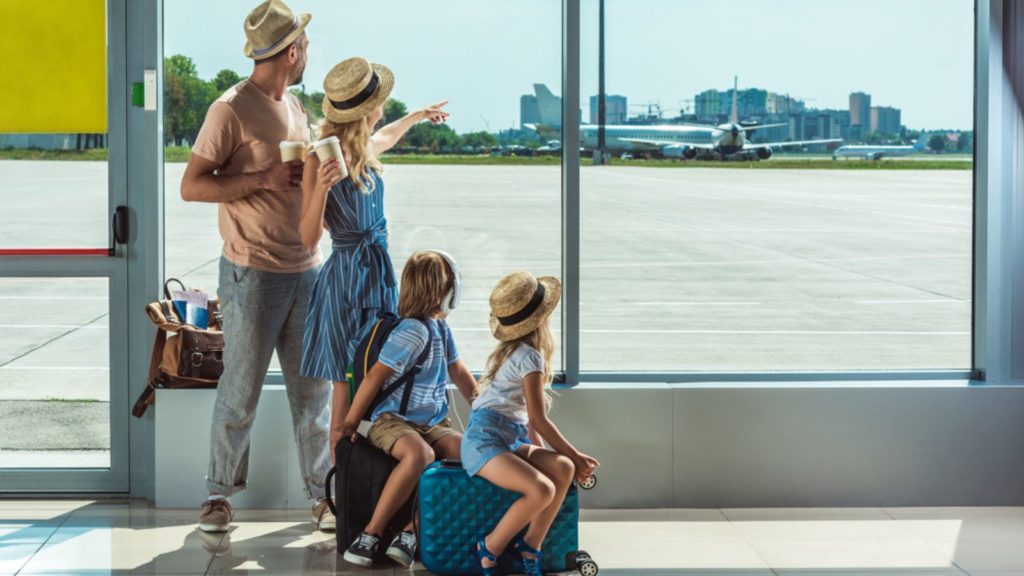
x: 428, y: 405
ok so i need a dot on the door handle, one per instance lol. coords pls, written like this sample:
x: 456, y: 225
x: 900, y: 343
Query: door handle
x: 119, y: 227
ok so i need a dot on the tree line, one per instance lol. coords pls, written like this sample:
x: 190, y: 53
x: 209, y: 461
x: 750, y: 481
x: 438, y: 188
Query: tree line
x: 187, y: 97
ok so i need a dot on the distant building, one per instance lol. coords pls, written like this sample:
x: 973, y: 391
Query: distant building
x: 819, y: 125
x: 616, y: 109
x: 885, y: 120
x: 708, y: 103
x: 529, y: 110
x: 860, y: 113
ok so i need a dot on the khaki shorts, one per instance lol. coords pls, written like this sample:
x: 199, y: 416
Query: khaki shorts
x: 387, y: 429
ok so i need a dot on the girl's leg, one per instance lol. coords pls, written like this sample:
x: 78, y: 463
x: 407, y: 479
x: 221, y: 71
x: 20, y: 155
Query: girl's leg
x: 561, y: 471
x: 413, y: 455
x: 513, y: 473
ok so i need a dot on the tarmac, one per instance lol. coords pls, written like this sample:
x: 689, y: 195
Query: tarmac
x: 698, y: 270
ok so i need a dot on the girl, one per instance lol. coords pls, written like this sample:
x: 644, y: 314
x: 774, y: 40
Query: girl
x: 422, y: 431
x: 358, y: 279
x: 509, y: 421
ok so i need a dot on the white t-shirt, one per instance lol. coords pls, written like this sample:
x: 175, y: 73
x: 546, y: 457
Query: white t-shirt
x: 506, y: 394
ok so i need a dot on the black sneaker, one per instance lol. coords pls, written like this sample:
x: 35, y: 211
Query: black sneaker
x: 403, y: 549
x: 362, y: 551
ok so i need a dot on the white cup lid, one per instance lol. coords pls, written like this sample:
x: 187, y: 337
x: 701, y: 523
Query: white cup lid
x: 326, y: 141
x: 292, y: 144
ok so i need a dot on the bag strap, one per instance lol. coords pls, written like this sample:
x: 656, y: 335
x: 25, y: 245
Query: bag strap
x: 148, y: 395
x: 406, y: 378
x: 411, y: 374
x: 167, y: 288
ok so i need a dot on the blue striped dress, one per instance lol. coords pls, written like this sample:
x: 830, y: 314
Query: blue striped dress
x: 355, y: 282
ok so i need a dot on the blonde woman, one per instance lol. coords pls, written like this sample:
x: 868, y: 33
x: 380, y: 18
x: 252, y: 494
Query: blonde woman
x: 357, y: 280
x: 509, y: 420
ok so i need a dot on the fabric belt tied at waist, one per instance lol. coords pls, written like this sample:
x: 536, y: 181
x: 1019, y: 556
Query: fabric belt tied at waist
x: 371, y: 248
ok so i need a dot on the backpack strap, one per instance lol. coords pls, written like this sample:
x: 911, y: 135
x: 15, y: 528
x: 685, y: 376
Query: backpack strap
x: 411, y: 374
x: 406, y: 378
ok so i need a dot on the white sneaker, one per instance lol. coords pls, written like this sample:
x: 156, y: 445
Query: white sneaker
x: 323, y: 518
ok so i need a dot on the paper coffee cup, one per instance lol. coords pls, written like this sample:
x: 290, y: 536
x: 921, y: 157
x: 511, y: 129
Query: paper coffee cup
x: 292, y: 150
x: 328, y: 148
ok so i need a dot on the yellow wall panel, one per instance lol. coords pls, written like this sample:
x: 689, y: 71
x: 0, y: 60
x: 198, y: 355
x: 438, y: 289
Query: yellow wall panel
x: 53, y: 66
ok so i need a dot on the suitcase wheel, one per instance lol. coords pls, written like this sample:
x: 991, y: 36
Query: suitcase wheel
x: 587, y: 567
x: 589, y: 483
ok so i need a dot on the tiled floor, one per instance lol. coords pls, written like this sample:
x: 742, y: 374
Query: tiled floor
x: 86, y: 537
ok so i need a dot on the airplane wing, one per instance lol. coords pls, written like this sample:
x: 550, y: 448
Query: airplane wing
x: 749, y: 146
x: 653, y: 144
x: 762, y: 126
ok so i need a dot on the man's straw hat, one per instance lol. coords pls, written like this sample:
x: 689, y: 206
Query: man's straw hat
x: 354, y: 87
x: 270, y: 28
x: 520, y: 302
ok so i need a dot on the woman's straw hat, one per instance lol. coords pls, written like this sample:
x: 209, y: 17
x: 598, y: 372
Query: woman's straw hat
x: 520, y: 302
x: 270, y: 28
x: 354, y: 87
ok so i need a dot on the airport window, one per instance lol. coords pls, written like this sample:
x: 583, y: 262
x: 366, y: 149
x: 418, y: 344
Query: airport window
x: 485, y: 186
x: 863, y: 262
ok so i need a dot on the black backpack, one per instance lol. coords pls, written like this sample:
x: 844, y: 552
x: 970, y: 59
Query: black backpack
x: 353, y: 488
x: 365, y: 354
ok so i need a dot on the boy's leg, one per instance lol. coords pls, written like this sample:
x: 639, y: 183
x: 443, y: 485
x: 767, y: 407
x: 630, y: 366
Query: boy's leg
x: 413, y: 455
x: 308, y: 398
x: 511, y: 472
x: 447, y: 447
x: 561, y: 471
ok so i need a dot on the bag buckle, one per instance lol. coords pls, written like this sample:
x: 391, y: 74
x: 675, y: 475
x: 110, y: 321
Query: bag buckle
x: 197, y: 359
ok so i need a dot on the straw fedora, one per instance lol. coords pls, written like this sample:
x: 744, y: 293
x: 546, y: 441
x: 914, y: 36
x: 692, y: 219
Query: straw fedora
x: 354, y: 87
x: 270, y: 28
x: 520, y: 302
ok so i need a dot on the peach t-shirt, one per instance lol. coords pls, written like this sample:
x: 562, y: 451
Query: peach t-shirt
x: 242, y: 133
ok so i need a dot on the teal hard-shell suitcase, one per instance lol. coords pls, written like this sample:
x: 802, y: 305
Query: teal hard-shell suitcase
x: 454, y: 510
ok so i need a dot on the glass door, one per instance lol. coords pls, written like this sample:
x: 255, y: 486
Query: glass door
x: 63, y: 245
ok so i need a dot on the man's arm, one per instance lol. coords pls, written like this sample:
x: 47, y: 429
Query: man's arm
x: 202, y: 184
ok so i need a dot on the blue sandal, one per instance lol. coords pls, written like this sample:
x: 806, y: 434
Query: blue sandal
x: 482, y: 553
x: 531, y: 566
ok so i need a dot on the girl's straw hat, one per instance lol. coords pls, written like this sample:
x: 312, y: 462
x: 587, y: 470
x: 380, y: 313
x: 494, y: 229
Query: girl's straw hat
x: 520, y: 302
x: 354, y: 87
x: 270, y: 28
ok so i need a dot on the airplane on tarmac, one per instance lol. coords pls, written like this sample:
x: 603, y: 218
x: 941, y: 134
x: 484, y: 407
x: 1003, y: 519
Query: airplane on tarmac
x: 869, y: 152
x: 726, y: 141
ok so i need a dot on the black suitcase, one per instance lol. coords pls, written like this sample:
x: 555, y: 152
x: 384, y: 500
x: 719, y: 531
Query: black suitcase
x: 360, y: 471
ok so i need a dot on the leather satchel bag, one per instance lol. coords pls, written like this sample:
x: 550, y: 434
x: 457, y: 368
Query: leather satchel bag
x: 184, y: 356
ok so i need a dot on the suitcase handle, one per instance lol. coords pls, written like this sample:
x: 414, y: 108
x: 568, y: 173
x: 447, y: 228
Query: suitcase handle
x: 448, y: 463
x: 328, y: 490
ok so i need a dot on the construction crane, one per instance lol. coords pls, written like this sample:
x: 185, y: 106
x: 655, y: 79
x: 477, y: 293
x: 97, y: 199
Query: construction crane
x: 654, y: 110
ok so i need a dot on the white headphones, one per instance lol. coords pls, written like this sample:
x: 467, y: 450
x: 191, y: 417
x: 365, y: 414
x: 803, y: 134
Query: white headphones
x: 452, y: 299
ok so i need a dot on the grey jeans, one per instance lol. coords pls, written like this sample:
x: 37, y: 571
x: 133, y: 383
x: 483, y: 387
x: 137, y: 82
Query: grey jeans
x: 264, y: 311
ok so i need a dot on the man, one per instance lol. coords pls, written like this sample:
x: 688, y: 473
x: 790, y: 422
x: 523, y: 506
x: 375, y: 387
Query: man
x: 266, y: 273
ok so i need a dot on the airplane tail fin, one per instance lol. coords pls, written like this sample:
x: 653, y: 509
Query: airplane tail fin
x: 922, y: 141
x: 734, y: 118
x: 550, y: 106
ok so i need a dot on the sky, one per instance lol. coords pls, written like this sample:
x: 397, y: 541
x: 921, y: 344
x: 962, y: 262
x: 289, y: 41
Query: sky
x: 482, y: 55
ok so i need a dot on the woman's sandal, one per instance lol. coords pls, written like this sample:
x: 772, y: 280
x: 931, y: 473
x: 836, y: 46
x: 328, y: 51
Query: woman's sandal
x: 482, y: 553
x: 531, y: 566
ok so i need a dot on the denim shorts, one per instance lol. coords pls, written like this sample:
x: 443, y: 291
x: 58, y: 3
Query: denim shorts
x: 490, y: 434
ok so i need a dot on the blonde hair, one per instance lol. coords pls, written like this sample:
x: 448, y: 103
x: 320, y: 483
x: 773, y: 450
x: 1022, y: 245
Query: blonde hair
x: 541, y: 340
x: 426, y: 282
x: 355, y: 140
